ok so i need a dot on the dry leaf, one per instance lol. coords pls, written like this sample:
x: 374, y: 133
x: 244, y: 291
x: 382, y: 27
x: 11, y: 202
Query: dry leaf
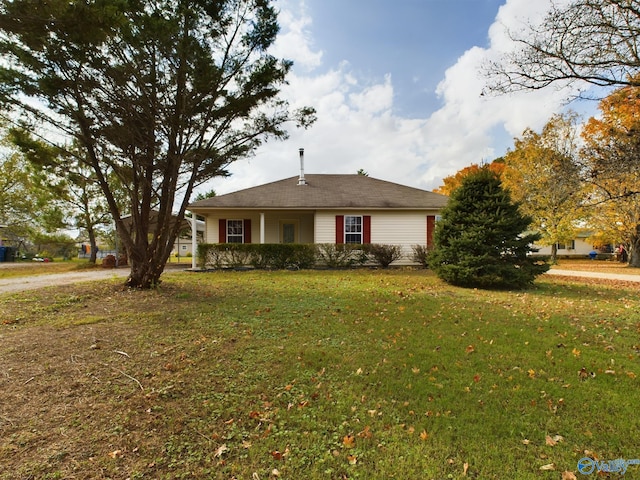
x: 359, y: 371
x: 465, y: 467
x: 525, y: 442
x: 115, y: 454
x: 568, y: 476
x: 550, y: 441
x: 352, y: 459
x: 277, y: 455
x: 576, y: 352
x: 366, y: 433
x: 548, y: 466
x: 470, y: 349
x: 424, y: 435
x: 349, y: 441
x: 221, y: 450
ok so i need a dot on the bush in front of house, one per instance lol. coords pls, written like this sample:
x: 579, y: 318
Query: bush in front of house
x: 263, y: 256
x: 283, y: 255
x: 420, y: 255
x: 384, y: 255
x: 341, y: 255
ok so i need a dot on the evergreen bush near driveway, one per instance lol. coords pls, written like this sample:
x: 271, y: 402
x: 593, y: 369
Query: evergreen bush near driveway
x: 481, y: 241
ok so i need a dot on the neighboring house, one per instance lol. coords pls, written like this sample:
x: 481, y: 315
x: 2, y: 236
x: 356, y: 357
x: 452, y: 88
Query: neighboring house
x: 183, y: 244
x: 323, y: 209
x: 580, y: 246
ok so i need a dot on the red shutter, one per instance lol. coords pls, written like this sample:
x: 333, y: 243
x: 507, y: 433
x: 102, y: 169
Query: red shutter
x: 222, y: 230
x: 366, y: 229
x: 339, y: 228
x: 247, y: 230
x: 431, y: 225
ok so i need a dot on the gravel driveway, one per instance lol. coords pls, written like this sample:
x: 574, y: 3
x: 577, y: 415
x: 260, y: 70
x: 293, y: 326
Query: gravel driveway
x: 18, y: 284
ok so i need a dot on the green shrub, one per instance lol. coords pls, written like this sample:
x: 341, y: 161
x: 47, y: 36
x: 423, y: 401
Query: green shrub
x: 420, y: 254
x: 341, y: 255
x: 268, y: 255
x: 383, y: 255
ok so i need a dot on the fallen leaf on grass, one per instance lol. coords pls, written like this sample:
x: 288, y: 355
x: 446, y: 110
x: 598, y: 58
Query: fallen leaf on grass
x: 470, y: 349
x: 352, y: 459
x: 465, y: 467
x: 349, y: 441
x: 568, y: 476
x: 576, y: 352
x: 366, y: 433
x: 548, y: 466
x: 115, y: 454
x: 424, y: 435
x: 221, y: 450
x: 553, y: 441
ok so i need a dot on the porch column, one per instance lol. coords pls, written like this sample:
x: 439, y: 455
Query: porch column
x: 261, y: 227
x: 194, y: 241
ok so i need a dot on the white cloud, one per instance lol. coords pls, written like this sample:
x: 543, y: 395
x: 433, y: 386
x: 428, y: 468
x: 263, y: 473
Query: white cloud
x: 357, y: 127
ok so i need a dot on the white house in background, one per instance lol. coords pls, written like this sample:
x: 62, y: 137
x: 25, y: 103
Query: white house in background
x: 580, y: 246
x: 323, y: 209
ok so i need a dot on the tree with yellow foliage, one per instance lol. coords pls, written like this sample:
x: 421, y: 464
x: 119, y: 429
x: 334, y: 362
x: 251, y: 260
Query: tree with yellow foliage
x: 543, y: 175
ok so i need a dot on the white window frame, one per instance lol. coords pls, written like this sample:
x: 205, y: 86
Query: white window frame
x: 347, y: 226
x: 235, y: 236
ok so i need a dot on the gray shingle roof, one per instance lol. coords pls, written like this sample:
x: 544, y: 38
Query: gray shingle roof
x: 325, y: 192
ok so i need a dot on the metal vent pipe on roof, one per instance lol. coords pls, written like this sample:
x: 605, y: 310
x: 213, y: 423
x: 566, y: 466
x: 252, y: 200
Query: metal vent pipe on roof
x: 301, y: 180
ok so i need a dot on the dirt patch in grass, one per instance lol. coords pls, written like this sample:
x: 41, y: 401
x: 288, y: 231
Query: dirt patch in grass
x: 94, y: 379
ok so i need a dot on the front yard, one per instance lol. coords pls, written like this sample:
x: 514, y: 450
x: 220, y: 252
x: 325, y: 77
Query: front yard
x: 318, y: 374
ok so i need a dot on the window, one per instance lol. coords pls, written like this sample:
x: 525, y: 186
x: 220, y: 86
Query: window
x: 235, y: 231
x: 566, y: 246
x: 352, y: 229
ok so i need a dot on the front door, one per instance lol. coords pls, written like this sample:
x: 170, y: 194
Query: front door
x: 288, y: 231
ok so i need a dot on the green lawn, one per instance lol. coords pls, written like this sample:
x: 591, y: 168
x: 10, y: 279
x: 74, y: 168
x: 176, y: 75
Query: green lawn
x: 318, y: 374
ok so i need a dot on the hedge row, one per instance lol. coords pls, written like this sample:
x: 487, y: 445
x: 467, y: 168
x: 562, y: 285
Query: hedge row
x: 299, y: 256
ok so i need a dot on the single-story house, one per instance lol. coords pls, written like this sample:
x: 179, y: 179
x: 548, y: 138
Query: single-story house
x: 321, y: 208
x: 580, y: 246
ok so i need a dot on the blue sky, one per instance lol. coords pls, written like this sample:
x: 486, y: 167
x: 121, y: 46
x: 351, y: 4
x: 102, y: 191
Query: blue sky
x: 397, y: 89
x: 413, y: 40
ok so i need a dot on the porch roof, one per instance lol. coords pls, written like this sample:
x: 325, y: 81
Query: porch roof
x: 326, y: 192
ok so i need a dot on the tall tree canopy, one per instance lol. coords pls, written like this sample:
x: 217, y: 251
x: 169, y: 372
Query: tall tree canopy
x: 611, y: 158
x: 595, y: 41
x: 481, y: 240
x: 543, y: 174
x: 162, y: 95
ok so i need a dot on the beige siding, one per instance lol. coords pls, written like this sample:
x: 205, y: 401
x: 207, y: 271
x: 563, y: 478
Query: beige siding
x: 272, y: 221
x: 403, y: 228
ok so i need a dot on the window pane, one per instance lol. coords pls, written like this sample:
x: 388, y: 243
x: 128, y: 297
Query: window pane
x: 235, y: 231
x: 352, y: 229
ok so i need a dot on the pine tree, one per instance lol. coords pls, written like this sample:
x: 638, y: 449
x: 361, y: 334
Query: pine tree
x: 481, y: 241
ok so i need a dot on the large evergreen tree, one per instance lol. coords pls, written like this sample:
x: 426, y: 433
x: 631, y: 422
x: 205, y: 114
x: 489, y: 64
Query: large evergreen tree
x: 481, y: 240
x: 161, y: 95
